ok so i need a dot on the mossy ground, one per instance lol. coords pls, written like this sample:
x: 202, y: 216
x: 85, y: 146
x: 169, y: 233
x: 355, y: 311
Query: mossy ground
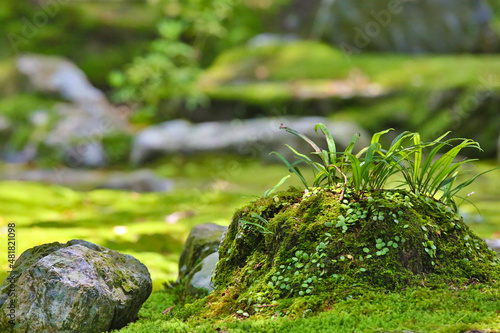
x: 213, y: 187
x: 416, y: 309
x: 274, y: 72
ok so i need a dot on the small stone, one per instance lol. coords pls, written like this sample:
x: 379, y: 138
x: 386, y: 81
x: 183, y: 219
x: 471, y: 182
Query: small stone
x: 200, y: 256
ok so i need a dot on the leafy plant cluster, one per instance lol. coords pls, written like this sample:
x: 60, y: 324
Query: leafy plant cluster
x: 424, y: 166
x: 190, y: 35
x: 168, y: 71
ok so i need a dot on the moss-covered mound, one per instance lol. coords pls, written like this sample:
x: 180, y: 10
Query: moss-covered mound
x: 325, y: 242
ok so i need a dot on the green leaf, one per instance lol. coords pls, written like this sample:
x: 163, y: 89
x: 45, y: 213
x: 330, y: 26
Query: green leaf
x: 417, y: 156
x: 356, y: 171
x: 268, y: 192
x: 260, y: 228
x: 257, y: 216
x: 292, y: 168
x: 303, y: 137
x: 306, y: 158
x: 376, y: 136
x: 396, y: 143
x: 332, y: 149
x: 350, y: 147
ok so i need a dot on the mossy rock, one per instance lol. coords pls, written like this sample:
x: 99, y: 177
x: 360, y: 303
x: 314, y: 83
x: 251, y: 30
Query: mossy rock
x: 320, y: 244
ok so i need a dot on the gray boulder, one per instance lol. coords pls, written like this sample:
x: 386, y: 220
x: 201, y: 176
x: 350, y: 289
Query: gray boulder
x: 138, y: 181
x: 60, y: 76
x: 201, y: 276
x: 142, y: 180
x: 85, y: 120
x: 73, y: 287
x: 200, y: 256
x: 251, y: 137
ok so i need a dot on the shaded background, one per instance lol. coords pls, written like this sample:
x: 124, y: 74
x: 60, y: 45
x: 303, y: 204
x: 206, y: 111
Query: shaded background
x: 125, y: 123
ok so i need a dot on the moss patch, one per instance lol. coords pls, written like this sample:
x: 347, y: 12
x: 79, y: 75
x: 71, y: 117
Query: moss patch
x: 416, y: 309
x: 324, y: 246
x: 308, y: 60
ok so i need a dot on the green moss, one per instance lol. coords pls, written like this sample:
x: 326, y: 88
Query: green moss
x: 212, y: 187
x: 303, y: 76
x: 320, y: 245
x: 397, y: 91
x: 253, y: 93
x: 46, y: 214
x: 305, y: 60
x: 19, y: 108
x: 117, y: 148
x: 300, y: 60
x: 416, y: 309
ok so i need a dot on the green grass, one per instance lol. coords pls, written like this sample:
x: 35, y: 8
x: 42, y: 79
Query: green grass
x: 416, y: 310
x: 425, y: 171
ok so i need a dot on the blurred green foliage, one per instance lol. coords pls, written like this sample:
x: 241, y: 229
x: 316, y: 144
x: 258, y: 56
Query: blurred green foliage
x: 191, y: 34
x: 117, y: 147
x: 429, y: 94
x: 96, y: 35
x: 17, y: 111
x: 168, y: 72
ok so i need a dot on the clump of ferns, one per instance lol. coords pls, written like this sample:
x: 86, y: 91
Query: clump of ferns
x: 370, y: 169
